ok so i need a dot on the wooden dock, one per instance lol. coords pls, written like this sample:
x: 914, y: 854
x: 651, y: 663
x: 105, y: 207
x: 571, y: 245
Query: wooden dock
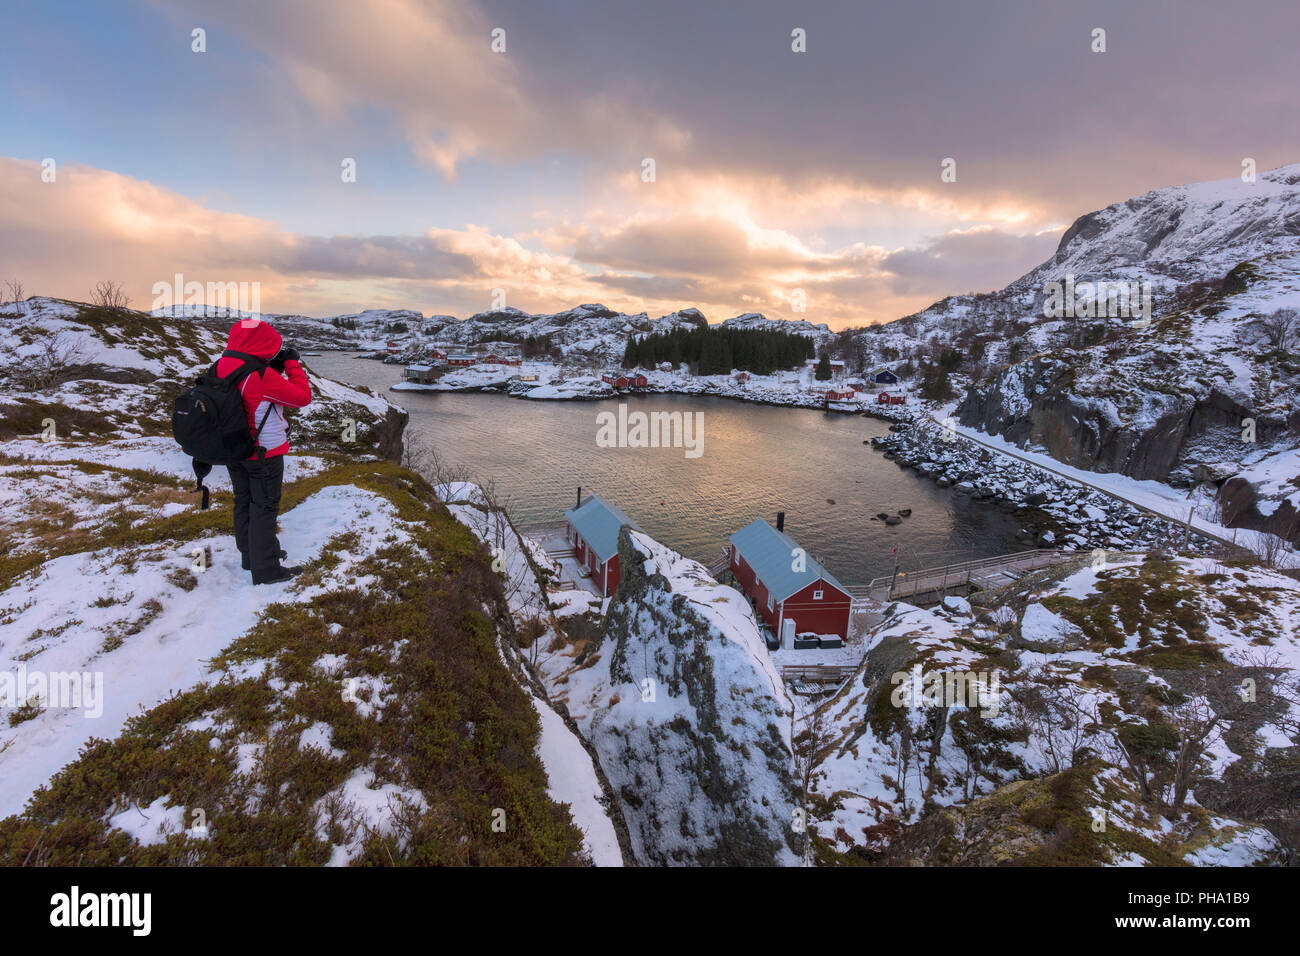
x: 818, y: 673
x: 930, y: 586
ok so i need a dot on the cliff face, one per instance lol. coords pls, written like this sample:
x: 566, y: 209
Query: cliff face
x: 1167, y: 400
x: 690, y: 719
x: 1035, y: 403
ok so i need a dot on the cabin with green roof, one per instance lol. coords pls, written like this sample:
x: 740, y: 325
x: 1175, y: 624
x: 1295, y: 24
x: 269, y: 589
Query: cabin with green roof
x: 785, y: 583
x: 592, y: 528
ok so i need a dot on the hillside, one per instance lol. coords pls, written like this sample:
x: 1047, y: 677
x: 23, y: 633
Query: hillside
x: 591, y: 333
x: 1206, y: 393
x: 1109, y: 724
x: 370, y: 711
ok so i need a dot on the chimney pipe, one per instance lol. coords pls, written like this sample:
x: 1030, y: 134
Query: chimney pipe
x: 579, y: 504
x: 780, y: 521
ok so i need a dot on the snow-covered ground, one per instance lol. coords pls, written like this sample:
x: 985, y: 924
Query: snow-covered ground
x: 870, y: 781
x: 166, y: 618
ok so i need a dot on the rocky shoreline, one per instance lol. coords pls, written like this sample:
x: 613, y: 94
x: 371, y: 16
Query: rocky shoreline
x: 1058, y: 512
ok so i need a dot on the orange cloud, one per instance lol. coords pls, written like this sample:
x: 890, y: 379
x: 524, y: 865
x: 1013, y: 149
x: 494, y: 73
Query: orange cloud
x: 91, y: 224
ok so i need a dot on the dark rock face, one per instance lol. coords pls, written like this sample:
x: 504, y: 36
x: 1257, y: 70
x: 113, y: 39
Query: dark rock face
x: 388, y: 433
x: 1240, y: 502
x: 1033, y: 404
x: 1086, y: 227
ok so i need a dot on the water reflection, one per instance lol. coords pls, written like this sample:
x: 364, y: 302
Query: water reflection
x: 757, y: 460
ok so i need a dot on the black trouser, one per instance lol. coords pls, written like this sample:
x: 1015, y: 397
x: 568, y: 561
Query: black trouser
x: 257, y: 506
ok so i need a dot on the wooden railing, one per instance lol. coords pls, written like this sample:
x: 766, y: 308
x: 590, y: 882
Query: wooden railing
x: 979, y: 572
x: 818, y: 673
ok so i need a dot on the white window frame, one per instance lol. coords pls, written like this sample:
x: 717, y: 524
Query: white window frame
x: 817, y: 595
x: 771, y: 602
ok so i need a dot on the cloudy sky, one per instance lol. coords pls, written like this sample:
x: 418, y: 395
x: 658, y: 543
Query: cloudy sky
x: 774, y: 170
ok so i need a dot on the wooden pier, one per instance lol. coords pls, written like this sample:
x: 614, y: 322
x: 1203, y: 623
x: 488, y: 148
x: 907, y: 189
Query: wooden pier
x: 930, y: 586
x: 818, y: 673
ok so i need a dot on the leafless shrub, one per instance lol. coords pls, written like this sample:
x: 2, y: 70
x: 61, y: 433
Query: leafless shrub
x: 1059, y: 716
x: 419, y: 454
x: 14, y: 293
x: 1279, y: 328
x: 109, y: 294
x: 812, y: 736
x: 55, y: 361
x: 1273, y: 551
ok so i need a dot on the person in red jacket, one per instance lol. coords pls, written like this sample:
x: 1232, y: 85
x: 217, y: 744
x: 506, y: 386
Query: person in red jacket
x: 257, y: 481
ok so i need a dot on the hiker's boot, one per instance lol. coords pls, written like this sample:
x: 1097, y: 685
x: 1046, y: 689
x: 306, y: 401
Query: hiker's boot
x: 279, y: 575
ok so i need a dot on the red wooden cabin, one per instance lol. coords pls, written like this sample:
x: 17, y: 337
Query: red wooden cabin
x: 592, y: 528
x: 786, y: 584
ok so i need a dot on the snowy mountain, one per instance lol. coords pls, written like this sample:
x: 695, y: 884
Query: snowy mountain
x: 591, y: 332
x: 1182, y: 233
x: 820, y: 332
x: 1203, y: 391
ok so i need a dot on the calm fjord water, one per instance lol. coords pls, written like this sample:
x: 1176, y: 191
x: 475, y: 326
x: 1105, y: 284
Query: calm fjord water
x: 757, y: 460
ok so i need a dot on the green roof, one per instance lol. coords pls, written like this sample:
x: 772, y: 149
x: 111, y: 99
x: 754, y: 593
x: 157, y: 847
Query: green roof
x: 771, y: 554
x: 598, y: 522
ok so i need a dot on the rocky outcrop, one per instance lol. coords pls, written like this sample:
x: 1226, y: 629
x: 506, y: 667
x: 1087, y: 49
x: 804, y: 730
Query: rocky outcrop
x: 389, y: 432
x: 690, y: 719
x: 1036, y: 403
x: 1031, y: 404
x: 1243, y: 508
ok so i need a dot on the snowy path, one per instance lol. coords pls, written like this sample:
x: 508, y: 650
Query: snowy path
x: 1149, y: 496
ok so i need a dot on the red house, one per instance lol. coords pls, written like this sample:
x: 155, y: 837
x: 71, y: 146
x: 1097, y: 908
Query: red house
x: 625, y: 380
x: 495, y: 359
x: 786, y: 584
x: 884, y: 398
x: 592, y: 528
x: 394, y: 348
x: 460, y: 361
x: 839, y: 394
x: 437, y: 354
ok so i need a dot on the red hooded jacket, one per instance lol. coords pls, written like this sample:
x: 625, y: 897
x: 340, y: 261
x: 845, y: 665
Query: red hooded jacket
x: 268, y: 391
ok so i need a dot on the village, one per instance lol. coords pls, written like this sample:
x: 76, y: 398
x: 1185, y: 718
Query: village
x: 814, y: 626
x: 501, y: 367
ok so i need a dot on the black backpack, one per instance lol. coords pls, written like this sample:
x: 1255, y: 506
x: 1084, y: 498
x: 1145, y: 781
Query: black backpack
x: 209, y: 422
